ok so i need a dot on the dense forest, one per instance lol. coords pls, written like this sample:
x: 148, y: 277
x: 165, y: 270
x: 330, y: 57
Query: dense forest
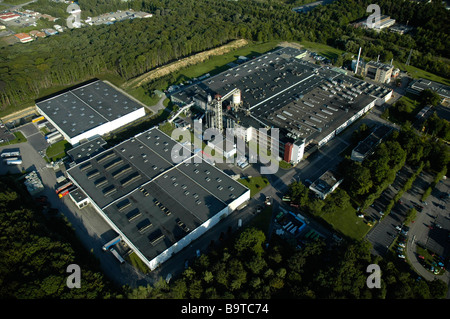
x: 246, y: 269
x: 367, y: 180
x: 35, y: 250
x: 182, y: 28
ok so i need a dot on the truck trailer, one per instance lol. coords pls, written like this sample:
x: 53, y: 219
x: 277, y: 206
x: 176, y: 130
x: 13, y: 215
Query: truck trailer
x: 13, y: 161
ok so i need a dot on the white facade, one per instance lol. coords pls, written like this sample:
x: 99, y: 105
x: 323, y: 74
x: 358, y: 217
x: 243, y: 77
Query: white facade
x: 346, y: 123
x: 99, y: 130
x: 196, y: 233
x: 182, y: 243
x: 381, y: 101
x: 297, y: 152
x: 323, y: 195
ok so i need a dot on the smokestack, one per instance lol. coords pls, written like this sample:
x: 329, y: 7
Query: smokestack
x: 378, y: 59
x: 357, y: 61
x: 392, y: 60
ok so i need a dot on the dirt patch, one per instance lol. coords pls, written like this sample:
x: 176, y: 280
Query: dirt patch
x: 183, y: 63
x: 291, y: 45
x: 19, y: 114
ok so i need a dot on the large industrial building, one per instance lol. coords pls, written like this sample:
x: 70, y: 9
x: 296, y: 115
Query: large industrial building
x: 156, y: 205
x: 417, y: 86
x: 93, y: 109
x: 308, y: 103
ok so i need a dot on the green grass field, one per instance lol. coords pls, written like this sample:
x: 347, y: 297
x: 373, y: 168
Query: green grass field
x: 58, y: 150
x: 347, y: 222
x: 262, y: 220
x: 322, y: 49
x: 217, y: 64
x: 137, y: 263
x: 255, y: 184
x: 419, y: 73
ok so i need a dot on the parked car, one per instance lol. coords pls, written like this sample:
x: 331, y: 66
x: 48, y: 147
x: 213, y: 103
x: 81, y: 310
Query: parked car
x: 405, y: 230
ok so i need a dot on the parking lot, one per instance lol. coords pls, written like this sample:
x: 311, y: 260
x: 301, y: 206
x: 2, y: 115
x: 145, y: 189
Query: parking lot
x: 383, y: 234
x: 5, y: 134
x: 430, y: 229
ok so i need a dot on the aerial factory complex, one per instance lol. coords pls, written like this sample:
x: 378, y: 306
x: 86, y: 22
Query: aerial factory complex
x: 158, y: 203
x: 156, y: 206
x: 308, y: 103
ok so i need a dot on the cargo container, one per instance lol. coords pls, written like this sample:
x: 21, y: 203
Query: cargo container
x: 13, y: 161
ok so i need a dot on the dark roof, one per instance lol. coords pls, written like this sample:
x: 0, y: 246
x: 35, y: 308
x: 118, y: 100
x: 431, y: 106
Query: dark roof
x: 136, y: 191
x: 84, y: 108
x: 421, y: 84
x: 371, y: 141
x: 279, y: 90
x: 87, y: 150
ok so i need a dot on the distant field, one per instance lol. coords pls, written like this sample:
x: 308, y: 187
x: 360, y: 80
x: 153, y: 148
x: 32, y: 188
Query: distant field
x: 419, y: 73
x: 15, y: 2
x: 322, y: 49
x: 214, y: 64
x: 217, y: 64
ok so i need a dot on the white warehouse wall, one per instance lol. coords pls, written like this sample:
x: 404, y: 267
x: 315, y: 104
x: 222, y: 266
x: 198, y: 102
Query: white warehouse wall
x: 66, y: 137
x: 109, y: 126
x: 99, y: 130
x: 196, y: 233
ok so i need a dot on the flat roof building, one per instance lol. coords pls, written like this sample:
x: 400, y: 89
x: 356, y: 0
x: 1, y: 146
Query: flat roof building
x: 419, y: 85
x: 384, y: 21
x: 308, y: 103
x: 367, y: 146
x: 23, y: 37
x: 94, y: 109
x: 157, y: 205
x: 86, y: 150
x: 378, y: 71
x: 325, y: 184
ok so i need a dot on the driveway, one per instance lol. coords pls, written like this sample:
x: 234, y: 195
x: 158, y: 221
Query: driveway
x: 158, y: 106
